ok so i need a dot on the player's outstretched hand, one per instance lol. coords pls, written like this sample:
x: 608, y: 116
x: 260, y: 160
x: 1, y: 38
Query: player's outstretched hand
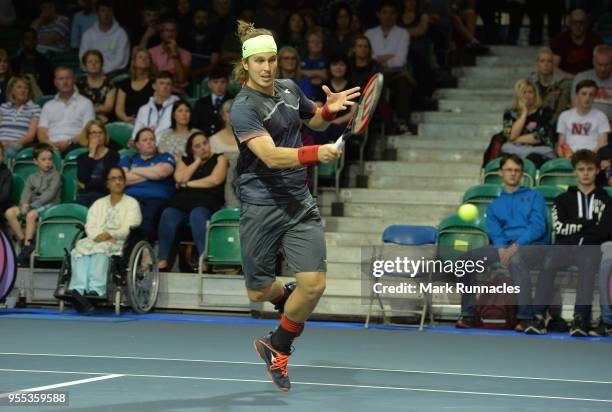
x: 329, y: 153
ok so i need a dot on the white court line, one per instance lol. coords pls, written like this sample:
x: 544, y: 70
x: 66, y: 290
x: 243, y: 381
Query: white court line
x: 476, y: 375
x: 62, y: 385
x: 337, y: 385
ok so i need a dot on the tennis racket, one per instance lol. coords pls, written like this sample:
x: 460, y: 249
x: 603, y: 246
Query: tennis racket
x: 365, y: 110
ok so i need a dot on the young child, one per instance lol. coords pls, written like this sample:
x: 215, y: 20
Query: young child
x: 42, y: 189
x: 6, y: 186
x: 313, y: 63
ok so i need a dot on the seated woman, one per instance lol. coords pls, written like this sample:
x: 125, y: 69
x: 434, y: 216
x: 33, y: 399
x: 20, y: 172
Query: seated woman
x: 149, y: 179
x: 109, y: 221
x: 136, y: 90
x: 527, y: 125
x: 96, y: 86
x: 92, y: 166
x: 224, y: 142
x: 289, y: 68
x: 18, y: 116
x: 200, y: 177
x: 174, y: 139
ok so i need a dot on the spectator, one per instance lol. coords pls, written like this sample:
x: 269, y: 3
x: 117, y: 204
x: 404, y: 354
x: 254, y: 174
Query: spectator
x: 93, y: 166
x: 204, y: 45
x: 294, y: 31
x: 135, y: 91
x: 463, y: 19
x: 390, y: 48
x: 107, y: 37
x: 222, y: 19
x: 340, y: 38
x: 63, y: 118
x: 573, y: 48
x: 516, y: 225
x: 157, y: 112
x: 82, y: 21
x: 289, y: 68
x: 206, y: 112
x: 554, y: 90
x: 29, y: 61
x: 583, y: 127
x: 604, y: 329
x: 109, y: 221
x: 7, y: 13
x: 96, y: 86
x: 601, y: 74
x: 5, y: 74
x: 527, y: 125
x: 53, y: 29
x: 338, y: 80
x: 184, y: 21
x: 313, y: 65
x: 604, y: 175
x: 362, y: 66
x: 535, y: 10
x: 200, y: 176
x: 416, y: 22
x: 18, y: 117
x: 356, y: 26
x: 42, y: 190
x: 149, y: 179
x: 270, y: 15
x: 148, y: 34
x: 174, y: 139
x: 224, y: 141
x: 168, y: 56
x: 581, y: 218
x: 6, y: 188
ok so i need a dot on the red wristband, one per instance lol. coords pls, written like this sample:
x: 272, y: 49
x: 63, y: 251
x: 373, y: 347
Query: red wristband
x: 308, y: 154
x: 326, y: 114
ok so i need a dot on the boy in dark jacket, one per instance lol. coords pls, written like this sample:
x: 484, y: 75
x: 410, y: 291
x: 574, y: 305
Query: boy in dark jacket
x: 581, y: 218
x: 516, y: 225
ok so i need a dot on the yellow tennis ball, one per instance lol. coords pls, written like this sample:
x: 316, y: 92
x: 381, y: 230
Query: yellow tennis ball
x: 467, y: 212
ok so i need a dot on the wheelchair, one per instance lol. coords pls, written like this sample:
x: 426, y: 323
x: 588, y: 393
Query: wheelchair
x: 132, y: 278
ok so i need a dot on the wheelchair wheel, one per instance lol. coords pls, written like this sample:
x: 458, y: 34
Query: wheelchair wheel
x: 143, y: 277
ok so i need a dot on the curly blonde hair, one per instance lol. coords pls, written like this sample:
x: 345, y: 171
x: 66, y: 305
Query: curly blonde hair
x: 246, y: 31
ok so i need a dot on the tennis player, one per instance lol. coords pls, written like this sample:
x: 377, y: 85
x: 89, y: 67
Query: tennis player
x: 277, y: 210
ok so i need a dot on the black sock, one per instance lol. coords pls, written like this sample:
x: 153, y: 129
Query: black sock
x: 282, y: 340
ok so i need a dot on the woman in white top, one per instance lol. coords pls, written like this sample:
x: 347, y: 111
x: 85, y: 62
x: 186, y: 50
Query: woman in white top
x: 109, y: 221
x: 224, y: 141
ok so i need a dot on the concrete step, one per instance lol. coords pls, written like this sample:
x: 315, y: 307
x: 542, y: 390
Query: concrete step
x: 343, y: 254
x: 488, y: 83
x: 349, y: 224
x: 496, y: 72
x: 526, y: 62
x: 351, y: 239
x: 460, y: 184
x: 412, y: 214
x: 474, y: 94
x: 441, y: 154
x: 443, y: 143
x: 418, y: 169
x: 459, y: 131
x: 391, y: 196
x: 471, y: 105
x: 462, y: 118
x: 514, y: 51
x: 344, y: 270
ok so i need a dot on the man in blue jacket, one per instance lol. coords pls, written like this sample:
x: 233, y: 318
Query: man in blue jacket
x: 516, y: 224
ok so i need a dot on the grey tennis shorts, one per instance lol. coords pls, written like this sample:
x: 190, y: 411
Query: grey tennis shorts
x: 294, y: 227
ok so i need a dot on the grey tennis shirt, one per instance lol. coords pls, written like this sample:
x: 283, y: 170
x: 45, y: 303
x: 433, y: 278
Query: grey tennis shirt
x: 256, y: 114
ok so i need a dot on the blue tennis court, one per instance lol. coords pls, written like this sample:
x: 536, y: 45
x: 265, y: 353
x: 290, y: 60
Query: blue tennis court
x: 164, y: 362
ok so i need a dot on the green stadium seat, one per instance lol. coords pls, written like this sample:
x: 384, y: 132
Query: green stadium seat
x: 120, y: 132
x: 119, y: 78
x: 482, y: 196
x: 222, y: 240
x: 192, y: 101
x: 57, y: 228
x: 71, y: 158
x: 17, y: 188
x: 70, y: 186
x: 24, y: 166
x: 44, y: 99
x: 127, y: 152
x: 609, y: 190
x: 457, y: 236
x: 491, y: 173
x: 557, y: 172
x: 549, y: 193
